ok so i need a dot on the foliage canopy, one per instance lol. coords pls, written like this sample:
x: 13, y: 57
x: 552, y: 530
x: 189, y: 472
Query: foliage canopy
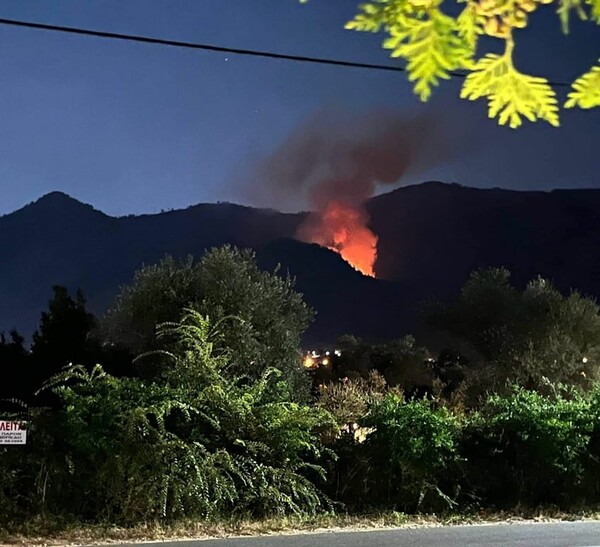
x: 532, y: 337
x: 259, y: 315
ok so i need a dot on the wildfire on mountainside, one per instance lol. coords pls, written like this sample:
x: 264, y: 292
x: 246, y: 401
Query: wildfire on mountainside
x: 336, y: 162
x: 343, y: 228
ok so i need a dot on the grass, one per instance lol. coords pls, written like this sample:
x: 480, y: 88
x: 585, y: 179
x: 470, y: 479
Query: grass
x: 52, y: 532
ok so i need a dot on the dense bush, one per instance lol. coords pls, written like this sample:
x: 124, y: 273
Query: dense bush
x: 197, y: 444
x: 393, y: 452
x: 410, y: 455
x: 193, y: 442
x: 349, y: 400
x: 25, y: 470
x: 526, y: 448
x: 522, y: 448
x: 416, y: 444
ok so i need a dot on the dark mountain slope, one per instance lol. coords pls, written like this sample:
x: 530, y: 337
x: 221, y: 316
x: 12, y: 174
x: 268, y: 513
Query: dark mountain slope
x: 431, y: 237
x: 434, y: 234
x: 345, y: 300
x: 58, y: 240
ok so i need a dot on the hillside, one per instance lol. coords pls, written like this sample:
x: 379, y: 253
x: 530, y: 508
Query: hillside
x: 435, y: 234
x: 431, y: 236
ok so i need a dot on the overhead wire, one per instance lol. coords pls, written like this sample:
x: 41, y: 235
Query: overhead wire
x: 219, y: 49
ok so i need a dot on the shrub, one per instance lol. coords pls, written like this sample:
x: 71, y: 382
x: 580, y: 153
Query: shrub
x: 349, y: 400
x: 192, y: 442
x: 419, y: 442
x: 530, y: 448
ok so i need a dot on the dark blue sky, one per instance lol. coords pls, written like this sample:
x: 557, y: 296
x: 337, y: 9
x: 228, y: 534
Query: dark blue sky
x: 137, y: 128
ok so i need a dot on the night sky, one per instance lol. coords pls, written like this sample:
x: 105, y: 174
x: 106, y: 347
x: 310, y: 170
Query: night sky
x: 135, y: 128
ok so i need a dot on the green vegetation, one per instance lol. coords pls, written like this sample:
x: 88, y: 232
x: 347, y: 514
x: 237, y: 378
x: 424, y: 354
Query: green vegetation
x: 438, y: 39
x: 204, y: 415
x: 521, y: 449
x: 259, y: 317
x: 533, y: 337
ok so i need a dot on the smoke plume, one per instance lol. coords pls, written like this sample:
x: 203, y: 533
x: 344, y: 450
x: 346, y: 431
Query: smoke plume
x: 336, y: 164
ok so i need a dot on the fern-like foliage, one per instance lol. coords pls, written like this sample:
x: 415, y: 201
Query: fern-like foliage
x: 565, y: 7
x: 511, y: 95
x: 371, y: 18
x: 469, y: 27
x: 435, y: 45
x: 432, y: 47
x: 432, y: 44
x: 586, y: 90
x: 594, y: 7
x: 194, y: 442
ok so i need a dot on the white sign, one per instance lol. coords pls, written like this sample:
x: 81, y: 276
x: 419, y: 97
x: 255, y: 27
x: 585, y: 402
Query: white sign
x: 12, y: 432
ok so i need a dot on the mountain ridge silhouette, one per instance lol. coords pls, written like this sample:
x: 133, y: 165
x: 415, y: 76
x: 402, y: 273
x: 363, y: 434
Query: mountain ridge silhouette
x: 431, y: 236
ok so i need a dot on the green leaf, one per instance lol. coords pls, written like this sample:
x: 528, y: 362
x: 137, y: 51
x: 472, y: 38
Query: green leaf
x: 511, y: 94
x: 430, y: 44
x: 564, y: 11
x: 586, y: 90
x: 371, y: 18
x: 594, y: 10
x: 468, y: 26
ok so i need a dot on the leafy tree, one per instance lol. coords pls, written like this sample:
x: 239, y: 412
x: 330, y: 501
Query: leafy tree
x: 66, y: 334
x: 435, y: 45
x: 532, y: 337
x: 258, y: 314
x: 16, y: 346
x: 158, y: 294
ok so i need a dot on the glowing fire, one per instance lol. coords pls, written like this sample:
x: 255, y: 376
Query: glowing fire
x: 343, y: 229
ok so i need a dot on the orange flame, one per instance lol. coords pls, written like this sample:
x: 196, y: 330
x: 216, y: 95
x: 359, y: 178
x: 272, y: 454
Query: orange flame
x: 343, y: 229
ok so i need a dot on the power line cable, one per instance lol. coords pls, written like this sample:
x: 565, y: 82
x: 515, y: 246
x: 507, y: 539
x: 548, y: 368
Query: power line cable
x: 219, y: 49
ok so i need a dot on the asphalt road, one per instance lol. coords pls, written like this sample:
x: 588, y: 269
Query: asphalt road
x: 561, y: 534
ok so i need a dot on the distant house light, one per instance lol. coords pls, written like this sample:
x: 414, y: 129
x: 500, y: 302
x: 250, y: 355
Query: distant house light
x: 309, y: 363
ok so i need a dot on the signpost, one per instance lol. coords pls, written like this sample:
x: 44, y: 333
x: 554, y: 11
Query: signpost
x: 12, y: 432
